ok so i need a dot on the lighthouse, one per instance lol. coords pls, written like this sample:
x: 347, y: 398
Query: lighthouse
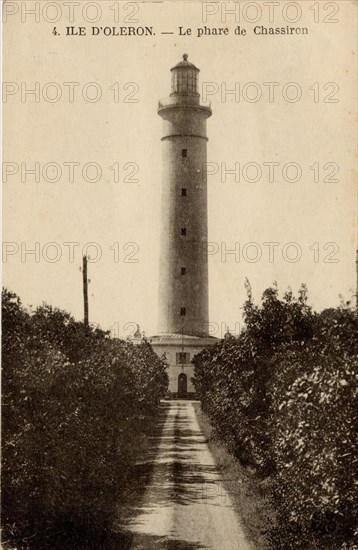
x: 183, y: 327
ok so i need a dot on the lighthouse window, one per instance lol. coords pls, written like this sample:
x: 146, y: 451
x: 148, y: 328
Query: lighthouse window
x: 183, y: 270
x: 183, y: 358
x: 183, y: 192
x: 184, y: 153
x: 182, y: 311
x: 183, y: 231
x: 192, y: 76
x: 183, y: 81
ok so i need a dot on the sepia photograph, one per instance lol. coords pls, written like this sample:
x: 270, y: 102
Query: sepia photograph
x: 179, y: 275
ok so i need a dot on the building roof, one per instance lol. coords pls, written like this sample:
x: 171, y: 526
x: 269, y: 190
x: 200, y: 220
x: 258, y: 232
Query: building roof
x: 177, y: 339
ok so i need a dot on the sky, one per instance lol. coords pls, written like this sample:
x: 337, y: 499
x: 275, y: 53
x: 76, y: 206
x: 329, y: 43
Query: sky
x: 119, y: 136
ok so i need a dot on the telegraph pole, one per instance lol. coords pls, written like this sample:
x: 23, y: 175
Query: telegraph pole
x: 85, y: 290
x: 357, y: 281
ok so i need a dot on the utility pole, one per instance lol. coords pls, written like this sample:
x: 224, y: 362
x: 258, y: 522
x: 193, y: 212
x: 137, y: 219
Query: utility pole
x: 85, y: 290
x: 357, y: 281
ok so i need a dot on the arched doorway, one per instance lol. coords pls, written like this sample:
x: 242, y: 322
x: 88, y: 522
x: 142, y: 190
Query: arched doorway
x: 182, y: 386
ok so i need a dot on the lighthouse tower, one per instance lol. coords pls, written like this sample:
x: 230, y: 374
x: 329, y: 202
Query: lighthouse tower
x: 183, y: 291
x: 183, y: 276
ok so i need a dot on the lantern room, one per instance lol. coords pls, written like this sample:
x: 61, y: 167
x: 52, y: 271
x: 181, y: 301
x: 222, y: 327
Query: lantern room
x: 184, y: 77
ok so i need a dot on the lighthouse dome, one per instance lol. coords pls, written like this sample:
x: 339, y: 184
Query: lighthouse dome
x: 185, y: 64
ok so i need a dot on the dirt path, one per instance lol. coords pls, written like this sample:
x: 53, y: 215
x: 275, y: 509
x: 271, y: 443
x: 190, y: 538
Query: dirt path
x: 185, y: 505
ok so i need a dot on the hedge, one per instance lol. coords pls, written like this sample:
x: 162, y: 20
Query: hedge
x: 283, y: 397
x: 74, y: 405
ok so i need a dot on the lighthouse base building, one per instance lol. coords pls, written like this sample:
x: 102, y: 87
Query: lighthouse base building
x: 183, y: 274
x: 179, y: 351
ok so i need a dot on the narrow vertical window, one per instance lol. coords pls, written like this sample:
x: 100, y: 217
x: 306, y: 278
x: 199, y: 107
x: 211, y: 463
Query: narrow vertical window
x: 183, y: 270
x: 183, y: 192
x: 183, y: 231
x: 182, y: 311
x: 182, y: 358
x: 184, y: 153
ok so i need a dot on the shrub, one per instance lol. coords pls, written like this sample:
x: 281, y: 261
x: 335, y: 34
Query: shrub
x: 72, y: 415
x: 282, y: 396
x: 314, y: 447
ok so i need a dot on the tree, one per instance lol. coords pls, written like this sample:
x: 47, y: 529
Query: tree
x: 75, y: 404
